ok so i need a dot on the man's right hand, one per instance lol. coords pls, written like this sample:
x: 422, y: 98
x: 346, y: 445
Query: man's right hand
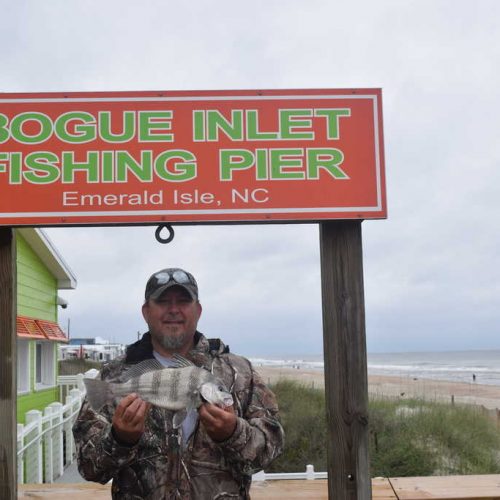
x: 129, y: 419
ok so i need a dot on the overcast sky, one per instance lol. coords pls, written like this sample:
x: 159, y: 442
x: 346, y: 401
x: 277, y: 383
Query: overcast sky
x: 431, y: 270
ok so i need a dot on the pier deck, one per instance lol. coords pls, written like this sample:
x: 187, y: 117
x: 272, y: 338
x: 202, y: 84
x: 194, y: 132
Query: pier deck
x: 484, y: 487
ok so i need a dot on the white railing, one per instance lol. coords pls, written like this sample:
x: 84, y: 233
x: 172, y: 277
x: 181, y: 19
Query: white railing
x: 45, y: 443
x: 309, y: 474
x: 68, y: 382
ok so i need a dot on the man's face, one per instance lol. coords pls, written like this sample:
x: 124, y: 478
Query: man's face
x: 172, y: 319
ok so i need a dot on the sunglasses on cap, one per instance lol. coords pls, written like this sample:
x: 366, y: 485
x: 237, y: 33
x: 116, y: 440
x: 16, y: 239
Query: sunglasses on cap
x: 178, y: 276
x: 166, y: 278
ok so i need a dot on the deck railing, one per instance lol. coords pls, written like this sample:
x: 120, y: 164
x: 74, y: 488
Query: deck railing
x: 45, y: 444
x: 309, y: 474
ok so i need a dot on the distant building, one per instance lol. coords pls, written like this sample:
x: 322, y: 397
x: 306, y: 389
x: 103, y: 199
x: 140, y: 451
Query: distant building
x: 95, y: 348
x: 41, y: 272
x: 88, y: 341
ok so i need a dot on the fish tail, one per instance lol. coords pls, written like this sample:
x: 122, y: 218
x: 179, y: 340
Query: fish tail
x: 98, y: 392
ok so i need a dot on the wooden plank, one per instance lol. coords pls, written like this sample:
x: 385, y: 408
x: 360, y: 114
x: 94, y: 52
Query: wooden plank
x: 289, y: 490
x: 261, y: 490
x: 414, y: 488
x: 8, y: 368
x: 344, y: 341
x: 79, y: 491
x: 483, y: 487
x: 382, y: 489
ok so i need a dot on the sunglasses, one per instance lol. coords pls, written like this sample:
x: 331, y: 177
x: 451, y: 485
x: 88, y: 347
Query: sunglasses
x: 178, y: 276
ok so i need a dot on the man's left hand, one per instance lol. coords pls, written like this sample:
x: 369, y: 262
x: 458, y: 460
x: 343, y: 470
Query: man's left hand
x: 219, y: 423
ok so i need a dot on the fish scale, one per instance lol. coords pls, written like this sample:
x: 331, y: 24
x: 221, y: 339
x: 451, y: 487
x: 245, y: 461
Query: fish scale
x: 174, y: 385
x: 173, y: 388
x: 155, y: 388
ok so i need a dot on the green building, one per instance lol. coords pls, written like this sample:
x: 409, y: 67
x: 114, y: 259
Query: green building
x: 41, y: 272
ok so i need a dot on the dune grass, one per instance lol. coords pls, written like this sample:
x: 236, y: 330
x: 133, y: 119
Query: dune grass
x: 407, y: 437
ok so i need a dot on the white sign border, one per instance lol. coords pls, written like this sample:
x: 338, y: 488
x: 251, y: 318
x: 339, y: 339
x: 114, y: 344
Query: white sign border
x: 129, y: 213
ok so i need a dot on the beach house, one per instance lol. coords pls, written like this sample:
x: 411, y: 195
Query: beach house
x: 41, y: 273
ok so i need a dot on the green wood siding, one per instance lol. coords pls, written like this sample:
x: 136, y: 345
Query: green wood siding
x: 36, y: 287
x: 37, y: 399
x: 36, y: 298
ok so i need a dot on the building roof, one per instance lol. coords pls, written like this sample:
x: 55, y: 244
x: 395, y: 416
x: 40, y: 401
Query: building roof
x: 48, y: 254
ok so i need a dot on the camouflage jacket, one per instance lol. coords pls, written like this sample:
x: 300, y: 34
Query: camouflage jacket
x: 157, y: 467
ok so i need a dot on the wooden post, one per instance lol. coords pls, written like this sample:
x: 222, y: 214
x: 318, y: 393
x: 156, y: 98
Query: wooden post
x: 344, y: 342
x: 8, y: 365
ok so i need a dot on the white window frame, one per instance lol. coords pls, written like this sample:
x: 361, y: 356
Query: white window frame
x: 47, y: 369
x: 23, y: 366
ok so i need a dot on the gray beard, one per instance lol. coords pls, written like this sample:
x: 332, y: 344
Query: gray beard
x: 171, y: 343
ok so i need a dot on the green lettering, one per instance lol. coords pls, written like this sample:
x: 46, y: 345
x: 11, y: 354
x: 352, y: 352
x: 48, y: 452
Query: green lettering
x: 107, y: 166
x: 233, y: 129
x: 289, y: 121
x: 18, y: 123
x: 16, y: 168
x: 253, y: 133
x: 125, y: 163
x: 326, y: 158
x: 199, y: 126
x: 152, y: 122
x: 234, y: 159
x: 80, y: 132
x: 70, y: 166
x: 281, y: 163
x: 332, y: 120
x: 4, y: 131
x: 128, y: 127
x: 43, y: 170
x: 4, y: 157
x: 182, y: 170
x: 261, y: 164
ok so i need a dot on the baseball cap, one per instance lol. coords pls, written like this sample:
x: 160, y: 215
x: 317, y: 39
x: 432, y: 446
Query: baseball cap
x: 167, y: 278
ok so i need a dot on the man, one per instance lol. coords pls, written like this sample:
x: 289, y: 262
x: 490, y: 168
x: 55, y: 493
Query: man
x: 214, y: 452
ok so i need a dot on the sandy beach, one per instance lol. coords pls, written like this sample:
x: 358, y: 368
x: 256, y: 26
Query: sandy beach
x: 393, y: 386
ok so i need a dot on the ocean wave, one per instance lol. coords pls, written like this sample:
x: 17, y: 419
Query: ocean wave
x: 472, y: 370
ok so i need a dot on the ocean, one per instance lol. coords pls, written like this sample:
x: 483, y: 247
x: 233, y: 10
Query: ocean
x: 481, y: 367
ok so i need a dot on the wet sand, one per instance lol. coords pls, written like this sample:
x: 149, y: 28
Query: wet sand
x: 394, y: 386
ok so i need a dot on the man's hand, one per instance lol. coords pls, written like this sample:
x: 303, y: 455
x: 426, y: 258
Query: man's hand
x: 219, y: 423
x: 129, y: 419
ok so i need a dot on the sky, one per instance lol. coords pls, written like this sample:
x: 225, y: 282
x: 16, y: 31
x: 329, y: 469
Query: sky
x: 431, y: 270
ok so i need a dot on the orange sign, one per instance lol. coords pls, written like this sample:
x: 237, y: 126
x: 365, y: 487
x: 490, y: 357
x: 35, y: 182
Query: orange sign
x: 210, y: 156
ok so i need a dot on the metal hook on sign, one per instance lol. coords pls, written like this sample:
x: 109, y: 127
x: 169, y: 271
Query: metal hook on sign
x: 159, y: 229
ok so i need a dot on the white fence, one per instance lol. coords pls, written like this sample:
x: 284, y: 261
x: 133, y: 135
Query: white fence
x: 309, y: 474
x: 45, y: 444
x: 68, y: 382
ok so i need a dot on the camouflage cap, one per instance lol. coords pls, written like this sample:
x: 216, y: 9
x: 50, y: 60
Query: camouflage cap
x: 167, y: 278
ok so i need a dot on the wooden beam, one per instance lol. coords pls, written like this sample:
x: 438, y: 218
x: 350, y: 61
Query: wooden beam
x: 344, y: 343
x: 8, y: 365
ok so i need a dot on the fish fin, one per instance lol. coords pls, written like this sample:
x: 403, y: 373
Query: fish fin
x: 182, y: 361
x: 179, y: 417
x: 146, y: 366
x: 98, y: 392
